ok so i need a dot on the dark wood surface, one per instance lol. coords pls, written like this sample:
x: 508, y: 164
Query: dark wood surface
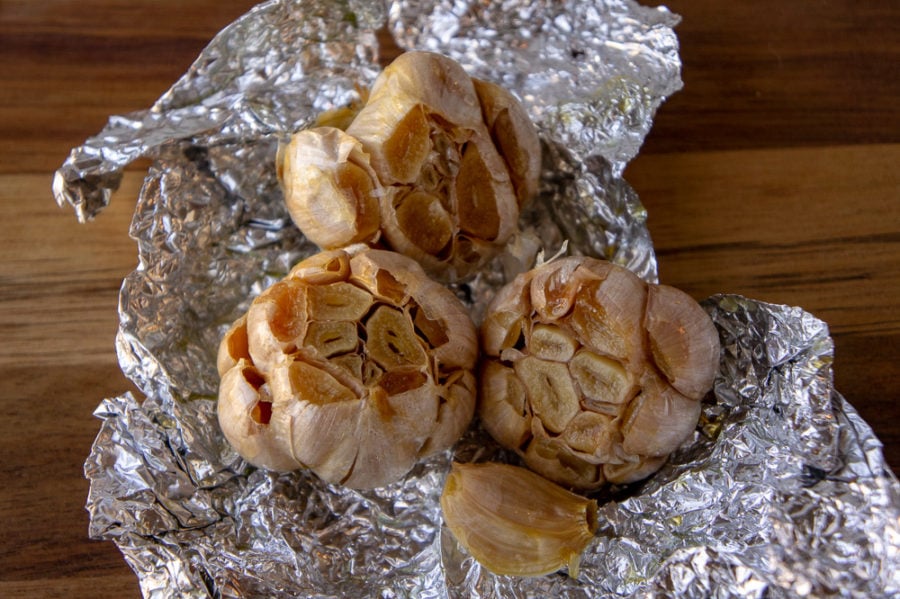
x: 775, y: 173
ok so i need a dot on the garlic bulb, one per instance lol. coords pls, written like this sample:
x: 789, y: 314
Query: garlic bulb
x: 435, y: 166
x: 592, y: 375
x: 355, y: 365
x: 515, y: 522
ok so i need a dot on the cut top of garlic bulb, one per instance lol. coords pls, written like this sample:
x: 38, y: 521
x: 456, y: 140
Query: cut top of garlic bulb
x: 591, y: 374
x: 355, y: 365
x: 435, y: 166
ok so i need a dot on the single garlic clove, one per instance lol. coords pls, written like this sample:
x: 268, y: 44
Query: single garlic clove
x: 607, y: 316
x: 549, y: 342
x: 233, y: 347
x: 328, y: 338
x: 515, y: 522
x: 244, y: 413
x: 514, y: 135
x: 502, y: 408
x: 683, y: 340
x: 422, y: 221
x: 330, y: 189
x: 553, y: 287
x: 276, y: 322
x: 659, y: 419
x: 603, y: 382
x: 337, y: 301
x: 593, y: 435
x: 455, y: 411
x: 631, y: 472
x: 315, y: 414
x: 391, y: 339
x: 322, y: 268
x: 550, y: 391
x: 396, y: 425
x: 502, y: 330
x: 552, y: 458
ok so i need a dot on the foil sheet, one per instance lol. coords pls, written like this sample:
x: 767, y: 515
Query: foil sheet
x: 783, y: 491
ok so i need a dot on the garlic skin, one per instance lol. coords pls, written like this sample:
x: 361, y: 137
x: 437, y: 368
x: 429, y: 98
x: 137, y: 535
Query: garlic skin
x: 435, y: 165
x: 592, y: 375
x: 356, y: 366
x: 515, y: 522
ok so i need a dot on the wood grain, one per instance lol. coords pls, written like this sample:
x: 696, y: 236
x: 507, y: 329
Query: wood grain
x: 772, y: 174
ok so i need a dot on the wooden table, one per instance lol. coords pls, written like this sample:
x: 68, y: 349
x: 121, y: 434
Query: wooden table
x: 774, y: 174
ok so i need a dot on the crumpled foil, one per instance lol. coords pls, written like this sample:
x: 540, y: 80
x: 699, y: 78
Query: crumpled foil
x: 783, y: 491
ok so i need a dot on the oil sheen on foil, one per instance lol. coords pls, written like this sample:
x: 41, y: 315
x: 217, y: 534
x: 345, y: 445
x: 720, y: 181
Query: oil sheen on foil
x: 783, y: 490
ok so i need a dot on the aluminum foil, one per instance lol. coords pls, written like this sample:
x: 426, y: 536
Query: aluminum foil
x: 783, y: 491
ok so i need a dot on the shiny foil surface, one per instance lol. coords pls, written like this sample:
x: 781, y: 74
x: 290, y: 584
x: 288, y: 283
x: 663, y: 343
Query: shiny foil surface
x: 783, y: 490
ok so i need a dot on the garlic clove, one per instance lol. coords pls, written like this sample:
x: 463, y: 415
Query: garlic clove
x: 659, y: 419
x: 456, y: 409
x: 601, y: 380
x: 322, y: 268
x: 607, y: 316
x: 684, y: 342
x: 391, y: 433
x: 320, y: 436
x: 514, y: 135
x: 549, y: 342
x: 553, y: 287
x: 337, y: 301
x: 502, y: 405
x: 233, y: 347
x: 632, y: 472
x: 391, y: 339
x: 553, y: 459
x: 244, y: 413
x: 330, y: 189
x: 593, y: 435
x: 551, y: 394
x: 515, y: 522
x: 327, y: 338
x: 276, y: 321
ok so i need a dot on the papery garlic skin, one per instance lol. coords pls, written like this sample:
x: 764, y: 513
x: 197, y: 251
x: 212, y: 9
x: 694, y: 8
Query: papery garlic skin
x: 449, y: 161
x: 592, y: 375
x: 515, y: 522
x: 356, y: 365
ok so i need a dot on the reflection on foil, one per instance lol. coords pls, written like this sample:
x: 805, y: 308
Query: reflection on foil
x: 783, y: 491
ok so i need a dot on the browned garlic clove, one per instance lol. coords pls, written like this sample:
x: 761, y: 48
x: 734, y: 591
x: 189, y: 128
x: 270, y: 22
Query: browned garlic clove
x: 330, y: 189
x: 683, y: 340
x: 515, y: 522
x: 592, y: 375
x: 365, y: 365
x: 514, y: 136
x: 245, y: 410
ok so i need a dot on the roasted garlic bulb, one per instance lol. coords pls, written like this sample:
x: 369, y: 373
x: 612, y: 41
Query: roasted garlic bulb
x: 515, y: 522
x: 436, y: 166
x: 591, y: 374
x: 355, y: 365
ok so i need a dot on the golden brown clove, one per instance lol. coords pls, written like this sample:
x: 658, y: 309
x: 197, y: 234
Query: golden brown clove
x: 515, y: 522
